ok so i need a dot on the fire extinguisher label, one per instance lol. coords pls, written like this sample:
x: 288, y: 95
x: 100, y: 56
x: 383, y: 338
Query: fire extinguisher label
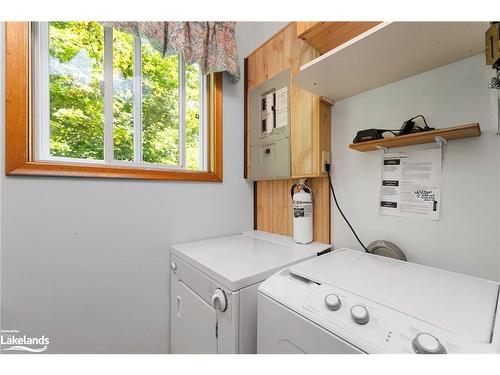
x: 302, y: 209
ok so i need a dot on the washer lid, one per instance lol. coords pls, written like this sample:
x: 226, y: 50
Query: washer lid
x: 462, y: 304
x: 245, y: 259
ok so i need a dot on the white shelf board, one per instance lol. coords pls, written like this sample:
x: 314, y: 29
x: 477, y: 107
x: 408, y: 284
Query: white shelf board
x: 387, y: 53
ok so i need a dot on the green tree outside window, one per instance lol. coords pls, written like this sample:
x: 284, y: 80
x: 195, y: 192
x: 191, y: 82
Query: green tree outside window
x: 76, y: 84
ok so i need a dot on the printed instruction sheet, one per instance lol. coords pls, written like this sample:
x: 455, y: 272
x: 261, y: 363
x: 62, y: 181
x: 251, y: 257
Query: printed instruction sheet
x: 281, y: 107
x: 411, y: 184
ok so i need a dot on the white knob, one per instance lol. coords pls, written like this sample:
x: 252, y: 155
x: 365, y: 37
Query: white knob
x: 173, y: 266
x: 219, y: 300
x: 332, y: 302
x: 425, y: 343
x: 359, y: 314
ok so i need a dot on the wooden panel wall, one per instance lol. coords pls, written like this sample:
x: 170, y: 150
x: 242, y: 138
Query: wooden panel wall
x: 273, y: 207
x: 325, y: 123
x: 273, y: 204
x: 304, y: 133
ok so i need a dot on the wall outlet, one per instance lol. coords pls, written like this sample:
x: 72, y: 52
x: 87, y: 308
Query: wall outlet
x: 325, y: 159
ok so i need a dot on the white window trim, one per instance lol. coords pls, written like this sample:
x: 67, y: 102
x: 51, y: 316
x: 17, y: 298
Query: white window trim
x: 123, y: 163
x: 182, y: 111
x: 108, y: 96
x: 41, y: 90
x: 41, y: 99
x: 203, y: 141
x: 137, y: 100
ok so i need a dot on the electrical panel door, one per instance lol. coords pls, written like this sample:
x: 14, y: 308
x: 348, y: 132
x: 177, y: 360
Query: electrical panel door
x: 269, y: 127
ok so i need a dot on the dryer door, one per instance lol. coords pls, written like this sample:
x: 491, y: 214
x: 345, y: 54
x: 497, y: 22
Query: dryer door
x: 194, y: 323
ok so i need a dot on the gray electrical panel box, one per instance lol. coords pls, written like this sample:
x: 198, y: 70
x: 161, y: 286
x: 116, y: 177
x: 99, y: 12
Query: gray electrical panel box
x: 269, y: 128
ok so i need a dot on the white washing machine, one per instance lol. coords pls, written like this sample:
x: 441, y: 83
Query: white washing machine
x: 352, y: 302
x: 214, y: 289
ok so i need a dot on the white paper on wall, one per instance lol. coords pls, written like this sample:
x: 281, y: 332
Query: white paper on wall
x: 281, y: 107
x: 411, y: 184
x: 270, y: 117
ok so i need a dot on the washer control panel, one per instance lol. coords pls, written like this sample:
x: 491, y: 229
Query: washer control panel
x: 377, y: 328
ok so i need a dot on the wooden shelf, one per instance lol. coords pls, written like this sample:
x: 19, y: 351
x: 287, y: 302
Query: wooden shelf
x: 456, y: 132
x: 389, y: 52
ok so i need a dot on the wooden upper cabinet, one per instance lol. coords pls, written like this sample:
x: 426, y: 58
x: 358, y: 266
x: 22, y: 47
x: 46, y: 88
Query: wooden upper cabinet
x: 325, y: 36
x: 284, y: 50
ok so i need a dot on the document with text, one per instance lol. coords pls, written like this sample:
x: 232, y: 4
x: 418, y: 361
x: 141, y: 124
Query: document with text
x: 411, y: 184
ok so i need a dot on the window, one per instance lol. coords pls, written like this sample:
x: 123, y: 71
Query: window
x: 106, y: 103
x: 108, y: 96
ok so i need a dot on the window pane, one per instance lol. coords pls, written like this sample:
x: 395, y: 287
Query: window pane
x: 160, y: 106
x: 76, y: 52
x: 123, y: 95
x: 193, y: 116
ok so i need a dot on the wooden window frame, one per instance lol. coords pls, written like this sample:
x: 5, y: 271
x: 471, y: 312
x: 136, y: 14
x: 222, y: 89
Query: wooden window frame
x: 19, y: 126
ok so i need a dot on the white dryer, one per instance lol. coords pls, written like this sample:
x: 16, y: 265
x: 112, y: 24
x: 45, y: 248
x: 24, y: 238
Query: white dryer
x: 353, y: 302
x: 214, y: 289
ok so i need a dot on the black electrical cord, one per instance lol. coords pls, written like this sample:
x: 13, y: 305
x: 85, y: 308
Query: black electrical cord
x: 416, y: 126
x: 391, y: 131
x: 399, y: 130
x: 327, y: 167
x: 423, y: 118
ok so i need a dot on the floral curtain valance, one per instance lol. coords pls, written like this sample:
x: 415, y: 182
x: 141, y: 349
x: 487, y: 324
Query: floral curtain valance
x: 211, y: 45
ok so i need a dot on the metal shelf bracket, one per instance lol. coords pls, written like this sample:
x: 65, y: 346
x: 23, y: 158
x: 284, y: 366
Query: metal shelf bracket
x: 441, y: 143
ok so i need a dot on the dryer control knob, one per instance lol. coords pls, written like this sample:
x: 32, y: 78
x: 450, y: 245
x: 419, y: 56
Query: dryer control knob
x: 332, y: 302
x: 359, y: 314
x: 219, y: 300
x: 425, y: 343
x: 173, y: 266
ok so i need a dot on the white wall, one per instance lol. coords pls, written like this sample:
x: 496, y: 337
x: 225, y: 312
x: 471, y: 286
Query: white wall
x: 86, y: 261
x: 466, y: 238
